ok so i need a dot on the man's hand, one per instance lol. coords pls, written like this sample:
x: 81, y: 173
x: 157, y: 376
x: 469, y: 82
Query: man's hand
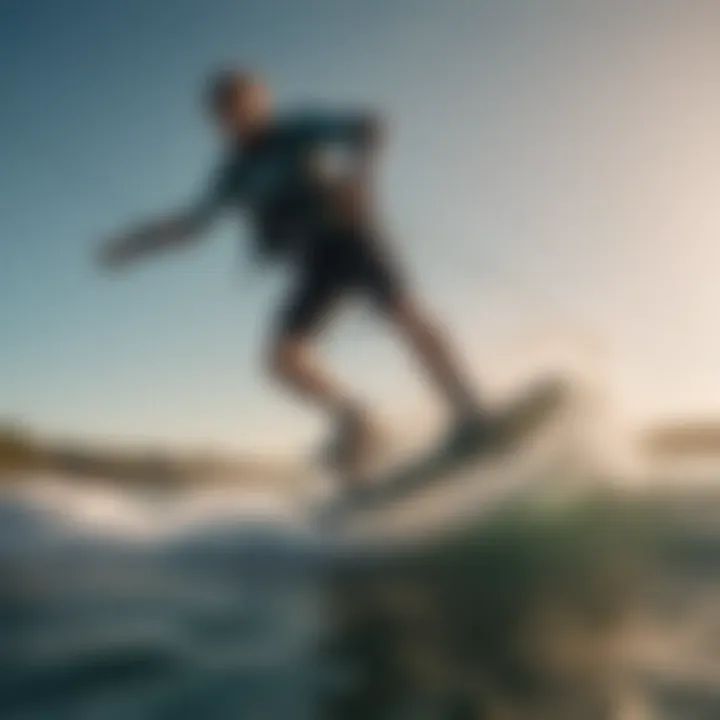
x: 153, y: 237
x: 113, y: 254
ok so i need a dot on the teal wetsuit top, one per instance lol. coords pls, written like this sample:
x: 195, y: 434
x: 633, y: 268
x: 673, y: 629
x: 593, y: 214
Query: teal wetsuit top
x: 274, y: 178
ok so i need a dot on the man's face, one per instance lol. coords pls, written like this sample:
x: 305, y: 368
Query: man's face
x: 246, y: 108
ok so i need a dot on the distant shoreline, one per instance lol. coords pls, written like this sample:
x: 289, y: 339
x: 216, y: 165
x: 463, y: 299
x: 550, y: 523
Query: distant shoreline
x: 21, y: 453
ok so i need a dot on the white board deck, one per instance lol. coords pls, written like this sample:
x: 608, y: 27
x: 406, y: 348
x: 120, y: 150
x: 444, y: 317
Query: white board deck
x: 438, y: 488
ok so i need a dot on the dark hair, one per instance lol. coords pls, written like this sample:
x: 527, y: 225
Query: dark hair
x: 224, y: 84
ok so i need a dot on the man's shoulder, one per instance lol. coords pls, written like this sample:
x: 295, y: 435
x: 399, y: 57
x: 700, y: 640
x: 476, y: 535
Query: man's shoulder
x: 301, y: 121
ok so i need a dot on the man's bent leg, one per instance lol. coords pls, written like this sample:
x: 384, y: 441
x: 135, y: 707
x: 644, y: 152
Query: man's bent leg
x: 356, y: 440
x: 436, y: 355
x: 293, y: 363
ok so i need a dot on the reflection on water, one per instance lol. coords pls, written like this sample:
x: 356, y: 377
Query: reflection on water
x: 145, y: 609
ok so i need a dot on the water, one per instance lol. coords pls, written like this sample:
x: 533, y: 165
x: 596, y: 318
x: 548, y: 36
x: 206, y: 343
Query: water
x: 209, y: 614
x: 220, y: 604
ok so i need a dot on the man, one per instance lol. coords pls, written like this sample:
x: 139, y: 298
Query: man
x: 324, y: 226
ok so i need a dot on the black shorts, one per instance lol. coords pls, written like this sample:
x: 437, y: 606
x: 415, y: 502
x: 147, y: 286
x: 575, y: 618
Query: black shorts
x: 335, y: 265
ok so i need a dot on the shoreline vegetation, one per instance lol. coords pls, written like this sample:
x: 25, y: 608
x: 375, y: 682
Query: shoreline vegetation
x: 23, y: 453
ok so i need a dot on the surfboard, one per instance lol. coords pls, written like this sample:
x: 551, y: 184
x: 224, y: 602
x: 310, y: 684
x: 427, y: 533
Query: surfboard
x: 515, y: 423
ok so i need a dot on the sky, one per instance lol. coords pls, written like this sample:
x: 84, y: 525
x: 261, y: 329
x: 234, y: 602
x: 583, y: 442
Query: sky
x: 550, y: 178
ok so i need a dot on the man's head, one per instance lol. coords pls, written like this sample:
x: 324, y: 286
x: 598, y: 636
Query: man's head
x: 239, y: 102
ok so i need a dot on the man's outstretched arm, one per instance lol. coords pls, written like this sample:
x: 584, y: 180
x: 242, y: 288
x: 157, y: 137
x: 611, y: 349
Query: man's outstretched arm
x: 165, y: 233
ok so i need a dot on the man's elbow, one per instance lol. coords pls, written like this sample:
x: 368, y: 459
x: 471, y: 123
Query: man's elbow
x: 372, y: 131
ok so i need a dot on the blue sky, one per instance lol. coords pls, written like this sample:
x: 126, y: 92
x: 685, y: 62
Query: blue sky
x: 553, y: 170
